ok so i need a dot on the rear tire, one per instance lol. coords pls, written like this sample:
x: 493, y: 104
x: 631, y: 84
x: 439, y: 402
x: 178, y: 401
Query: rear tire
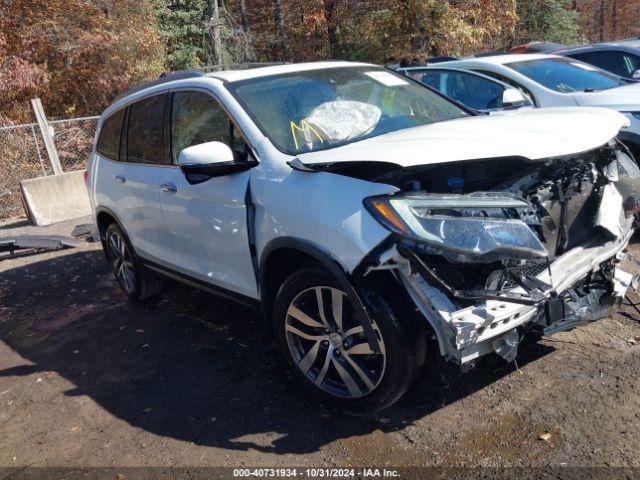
x: 325, y: 346
x: 136, y: 282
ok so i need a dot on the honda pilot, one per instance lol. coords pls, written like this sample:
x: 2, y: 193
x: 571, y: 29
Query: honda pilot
x: 368, y: 218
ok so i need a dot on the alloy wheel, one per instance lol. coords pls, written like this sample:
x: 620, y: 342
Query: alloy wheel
x: 122, y: 262
x: 328, y: 344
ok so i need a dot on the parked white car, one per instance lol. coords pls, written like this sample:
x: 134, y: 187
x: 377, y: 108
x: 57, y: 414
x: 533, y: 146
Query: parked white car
x: 366, y: 216
x: 554, y: 81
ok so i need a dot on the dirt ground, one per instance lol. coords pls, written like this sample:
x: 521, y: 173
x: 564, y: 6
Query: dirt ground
x: 88, y: 378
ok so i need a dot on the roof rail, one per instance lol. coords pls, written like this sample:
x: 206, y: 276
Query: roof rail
x: 218, y: 68
x: 237, y: 66
x: 194, y: 73
x: 441, y: 58
x: 164, y: 78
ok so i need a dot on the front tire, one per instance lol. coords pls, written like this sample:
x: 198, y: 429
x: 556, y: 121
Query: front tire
x: 324, y: 344
x: 135, y: 281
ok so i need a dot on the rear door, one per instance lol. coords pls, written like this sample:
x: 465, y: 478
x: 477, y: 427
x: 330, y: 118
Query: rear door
x: 107, y: 167
x: 143, y: 146
x: 206, y: 223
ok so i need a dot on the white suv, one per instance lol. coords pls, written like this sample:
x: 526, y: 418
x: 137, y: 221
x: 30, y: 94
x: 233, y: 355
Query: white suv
x: 366, y: 216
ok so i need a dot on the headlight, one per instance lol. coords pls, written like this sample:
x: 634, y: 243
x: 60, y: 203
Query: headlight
x: 480, y: 226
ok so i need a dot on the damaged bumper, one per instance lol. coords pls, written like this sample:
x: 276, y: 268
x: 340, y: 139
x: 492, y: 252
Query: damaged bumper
x: 489, y: 327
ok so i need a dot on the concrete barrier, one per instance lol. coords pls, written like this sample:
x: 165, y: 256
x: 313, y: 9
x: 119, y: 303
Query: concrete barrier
x: 56, y: 198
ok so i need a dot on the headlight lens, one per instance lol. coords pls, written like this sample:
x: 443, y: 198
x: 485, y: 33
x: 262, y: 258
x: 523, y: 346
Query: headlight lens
x: 477, y: 226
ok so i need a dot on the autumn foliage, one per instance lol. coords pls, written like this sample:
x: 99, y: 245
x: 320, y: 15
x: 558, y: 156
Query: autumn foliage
x: 78, y: 54
x: 74, y: 54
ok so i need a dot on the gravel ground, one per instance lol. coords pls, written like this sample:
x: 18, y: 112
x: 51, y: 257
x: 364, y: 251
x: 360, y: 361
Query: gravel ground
x: 88, y: 378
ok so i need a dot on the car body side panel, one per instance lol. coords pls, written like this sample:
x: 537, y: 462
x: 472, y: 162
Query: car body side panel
x: 323, y: 209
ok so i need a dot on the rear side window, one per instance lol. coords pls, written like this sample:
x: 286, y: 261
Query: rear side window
x: 145, y: 130
x: 619, y: 63
x: 109, y: 139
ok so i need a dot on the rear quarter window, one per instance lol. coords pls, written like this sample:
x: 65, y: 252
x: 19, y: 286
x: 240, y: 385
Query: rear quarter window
x: 109, y: 139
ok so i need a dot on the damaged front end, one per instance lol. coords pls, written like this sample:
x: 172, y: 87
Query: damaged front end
x: 487, y: 249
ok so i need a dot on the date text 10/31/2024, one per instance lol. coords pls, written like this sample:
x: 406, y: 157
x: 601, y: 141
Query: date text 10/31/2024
x: 316, y: 472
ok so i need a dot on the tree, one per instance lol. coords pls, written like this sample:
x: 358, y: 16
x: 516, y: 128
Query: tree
x: 611, y: 20
x: 244, y: 19
x: 213, y: 26
x: 74, y: 54
x: 181, y: 24
x: 281, y: 42
x: 547, y: 20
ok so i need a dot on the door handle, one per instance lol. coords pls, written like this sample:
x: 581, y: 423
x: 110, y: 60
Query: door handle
x: 168, y: 187
x: 120, y: 178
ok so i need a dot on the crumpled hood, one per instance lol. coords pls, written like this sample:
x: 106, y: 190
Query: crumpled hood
x: 533, y: 134
x: 623, y: 99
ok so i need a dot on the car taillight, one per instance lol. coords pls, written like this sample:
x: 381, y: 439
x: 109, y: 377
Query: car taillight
x: 86, y: 177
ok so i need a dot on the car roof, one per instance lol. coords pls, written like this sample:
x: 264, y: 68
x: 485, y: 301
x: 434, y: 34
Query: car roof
x: 239, y: 75
x: 538, y: 47
x: 503, y: 59
x: 253, y: 71
x: 628, y: 42
x: 631, y: 45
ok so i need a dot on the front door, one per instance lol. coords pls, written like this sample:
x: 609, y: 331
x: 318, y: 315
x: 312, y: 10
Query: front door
x: 207, y: 222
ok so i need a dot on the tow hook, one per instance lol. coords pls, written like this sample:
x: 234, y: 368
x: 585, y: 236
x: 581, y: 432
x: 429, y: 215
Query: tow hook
x: 507, y: 346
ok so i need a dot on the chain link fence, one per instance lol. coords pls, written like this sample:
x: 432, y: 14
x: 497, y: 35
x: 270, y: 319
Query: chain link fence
x: 23, y: 156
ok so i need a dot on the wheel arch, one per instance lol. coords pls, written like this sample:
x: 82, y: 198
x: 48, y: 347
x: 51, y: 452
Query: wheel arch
x: 104, y: 218
x: 283, y: 256
x: 291, y: 249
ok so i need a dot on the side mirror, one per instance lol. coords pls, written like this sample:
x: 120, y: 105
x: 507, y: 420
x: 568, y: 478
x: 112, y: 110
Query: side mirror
x: 636, y: 75
x: 512, y: 97
x: 201, y: 162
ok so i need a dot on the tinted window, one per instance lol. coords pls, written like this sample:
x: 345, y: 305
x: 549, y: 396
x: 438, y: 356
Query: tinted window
x: 528, y: 95
x: 109, y: 139
x: 620, y: 63
x: 324, y: 108
x: 471, y: 90
x: 198, y: 118
x: 431, y: 78
x: 144, y: 135
x: 565, y: 75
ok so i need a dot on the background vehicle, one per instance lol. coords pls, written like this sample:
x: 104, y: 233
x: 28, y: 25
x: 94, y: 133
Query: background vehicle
x: 537, y: 47
x: 475, y: 90
x: 554, y: 81
x: 621, y: 58
x: 363, y: 214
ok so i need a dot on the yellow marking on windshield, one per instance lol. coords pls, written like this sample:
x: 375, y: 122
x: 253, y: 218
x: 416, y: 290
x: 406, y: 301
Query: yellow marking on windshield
x: 304, y: 128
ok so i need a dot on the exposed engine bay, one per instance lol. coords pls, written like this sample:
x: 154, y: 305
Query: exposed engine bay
x: 488, y: 248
